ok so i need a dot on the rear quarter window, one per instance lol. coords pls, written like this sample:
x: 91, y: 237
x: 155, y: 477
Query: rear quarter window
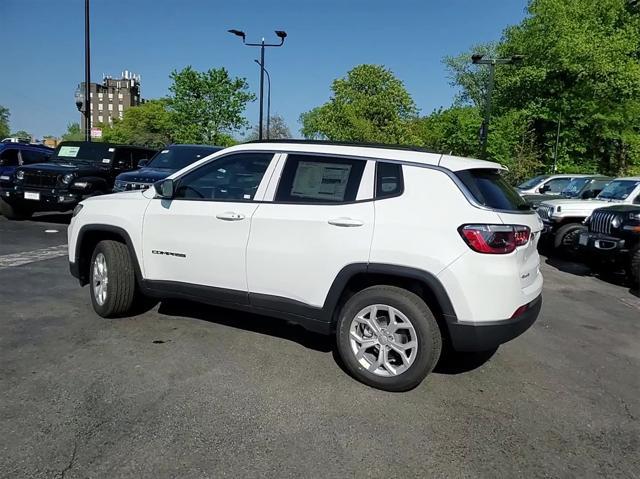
x: 490, y: 189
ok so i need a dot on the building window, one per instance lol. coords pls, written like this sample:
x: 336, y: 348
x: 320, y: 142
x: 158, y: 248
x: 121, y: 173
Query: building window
x: 91, y: 95
x: 100, y: 106
x: 110, y: 106
x: 100, y: 118
x: 120, y: 96
x: 100, y: 95
x: 110, y: 96
x: 120, y: 115
x: 120, y: 107
x: 91, y: 106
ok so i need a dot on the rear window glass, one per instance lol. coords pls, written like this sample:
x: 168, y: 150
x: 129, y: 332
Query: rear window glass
x: 490, y: 189
x: 388, y: 180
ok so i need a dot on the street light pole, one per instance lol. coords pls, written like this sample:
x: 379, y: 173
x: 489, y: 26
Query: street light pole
x: 268, y: 99
x: 87, y: 74
x: 478, y: 59
x: 280, y: 34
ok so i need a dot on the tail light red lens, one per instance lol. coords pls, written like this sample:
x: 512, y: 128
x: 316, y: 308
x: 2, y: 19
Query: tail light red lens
x: 495, y: 239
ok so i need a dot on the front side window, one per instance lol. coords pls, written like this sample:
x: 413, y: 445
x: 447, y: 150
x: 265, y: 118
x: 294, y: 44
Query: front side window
x: 230, y: 178
x: 319, y: 179
x: 30, y: 156
x: 556, y: 185
x: 575, y: 186
x: 9, y: 157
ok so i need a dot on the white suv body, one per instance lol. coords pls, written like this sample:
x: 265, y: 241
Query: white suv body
x: 299, y: 230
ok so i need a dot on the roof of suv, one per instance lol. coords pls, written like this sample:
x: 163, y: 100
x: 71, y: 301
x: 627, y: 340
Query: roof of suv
x: 383, y: 152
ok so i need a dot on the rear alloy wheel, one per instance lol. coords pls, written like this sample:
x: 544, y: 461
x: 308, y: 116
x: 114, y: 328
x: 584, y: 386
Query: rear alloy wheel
x: 566, y: 239
x: 388, y: 338
x: 112, y: 279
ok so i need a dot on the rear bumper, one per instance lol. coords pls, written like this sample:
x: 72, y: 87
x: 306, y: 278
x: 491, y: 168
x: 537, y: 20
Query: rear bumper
x: 473, y: 337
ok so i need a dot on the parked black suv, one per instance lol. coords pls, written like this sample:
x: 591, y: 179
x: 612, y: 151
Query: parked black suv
x: 612, y: 239
x: 75, y: 171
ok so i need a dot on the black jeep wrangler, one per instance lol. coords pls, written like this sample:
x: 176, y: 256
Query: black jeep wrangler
x: 75, y: 171
x: 612, y: 239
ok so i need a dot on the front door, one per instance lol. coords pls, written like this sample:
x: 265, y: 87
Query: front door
x: 200, y: 236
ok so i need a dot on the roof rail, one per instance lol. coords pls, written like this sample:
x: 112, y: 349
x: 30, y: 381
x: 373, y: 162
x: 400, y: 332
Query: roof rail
x: 350, y: 143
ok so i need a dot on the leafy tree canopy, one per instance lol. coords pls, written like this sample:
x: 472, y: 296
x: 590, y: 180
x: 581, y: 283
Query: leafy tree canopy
x: 4, y: 122
x: 207, y: 107
x: 73, y: 133
x: 370, y: 104
x: 149, y: 124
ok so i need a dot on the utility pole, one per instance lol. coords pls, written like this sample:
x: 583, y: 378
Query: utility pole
x: 555, y: 149
x: 87, y: 74
x: 268, y: 99
x: 479, y: 59
x: 280, y: 34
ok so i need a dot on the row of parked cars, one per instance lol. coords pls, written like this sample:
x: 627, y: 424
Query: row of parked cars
x: 36, y: 178
x: 590, y: 217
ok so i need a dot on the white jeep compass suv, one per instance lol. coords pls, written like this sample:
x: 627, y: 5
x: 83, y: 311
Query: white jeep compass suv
x: 394, y: 251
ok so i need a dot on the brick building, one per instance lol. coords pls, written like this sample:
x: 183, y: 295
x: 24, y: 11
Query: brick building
x: 112, y: 98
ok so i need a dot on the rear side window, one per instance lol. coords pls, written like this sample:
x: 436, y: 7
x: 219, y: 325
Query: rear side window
x: 319, y: 179
x: 490, y: 189
x: 389, y: 180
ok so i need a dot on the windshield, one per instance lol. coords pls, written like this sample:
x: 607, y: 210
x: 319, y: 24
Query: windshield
x: 574, y: 188
x: 532, y: 182
x: 85, y: 152
x: 179, y: 157
x: 618, y: 190
x: 490, y: 189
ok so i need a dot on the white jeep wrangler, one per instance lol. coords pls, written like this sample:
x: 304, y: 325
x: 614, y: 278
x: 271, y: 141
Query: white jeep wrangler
x: 394, y: 251
x: 563, y: 218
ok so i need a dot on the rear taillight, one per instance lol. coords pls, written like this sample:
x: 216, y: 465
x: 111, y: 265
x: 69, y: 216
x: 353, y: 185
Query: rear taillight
x: 495, y: 239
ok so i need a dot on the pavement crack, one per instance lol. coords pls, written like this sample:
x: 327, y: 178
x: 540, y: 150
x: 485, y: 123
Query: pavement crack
x: 72, y: 461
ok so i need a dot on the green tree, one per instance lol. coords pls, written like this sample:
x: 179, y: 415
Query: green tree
x: 370, y: 104
x: 207, y: 106
x: 453, y: 130
x: 73, y: 133
x: 22, y: 134
x: 278, y: 129
x: 150, y: 124
x: 470, y: 79
x: 4, y: 122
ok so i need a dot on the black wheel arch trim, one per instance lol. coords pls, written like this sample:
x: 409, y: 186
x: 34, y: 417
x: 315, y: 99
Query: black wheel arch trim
x: 76, y: 267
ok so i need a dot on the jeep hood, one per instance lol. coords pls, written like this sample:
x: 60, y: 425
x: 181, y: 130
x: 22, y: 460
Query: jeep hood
x: 64, y: 167
x: 145, y: 175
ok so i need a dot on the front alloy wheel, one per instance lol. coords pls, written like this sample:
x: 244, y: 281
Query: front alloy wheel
x: 100, y: 279
x: 383, y: 340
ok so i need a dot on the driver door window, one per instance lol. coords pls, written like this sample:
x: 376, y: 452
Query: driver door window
x: 233, y: 178
x: 10, y: 157
x: 557, y: 185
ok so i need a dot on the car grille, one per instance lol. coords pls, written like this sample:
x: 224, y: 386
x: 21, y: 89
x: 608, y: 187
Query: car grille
x: 39, y: 179
x: 600, y: 222
x: 544, y: 211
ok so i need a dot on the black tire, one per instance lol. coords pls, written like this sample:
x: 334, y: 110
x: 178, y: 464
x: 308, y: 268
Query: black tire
x: 121, y: 285
x: 634, y: 265
x: 429, y: 338
x: 566, y: 239
x: 14, y: 212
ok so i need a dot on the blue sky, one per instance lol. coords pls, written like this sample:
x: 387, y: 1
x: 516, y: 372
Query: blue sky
x: 43, y: 56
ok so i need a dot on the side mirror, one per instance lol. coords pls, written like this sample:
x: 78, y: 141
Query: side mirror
x: 587, y: 195
x: 142, y: 163
x: 164, y: 188
x: 543, y: 189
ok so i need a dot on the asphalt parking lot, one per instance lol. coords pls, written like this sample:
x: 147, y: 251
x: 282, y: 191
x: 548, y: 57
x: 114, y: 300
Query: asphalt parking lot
x: 190, y: 391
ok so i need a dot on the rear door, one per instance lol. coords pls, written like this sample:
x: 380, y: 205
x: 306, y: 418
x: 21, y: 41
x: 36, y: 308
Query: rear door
x: 490, y: 190
x: 318, y: 220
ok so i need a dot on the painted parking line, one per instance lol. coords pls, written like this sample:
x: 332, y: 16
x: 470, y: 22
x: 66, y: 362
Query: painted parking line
x: 19, y: 259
